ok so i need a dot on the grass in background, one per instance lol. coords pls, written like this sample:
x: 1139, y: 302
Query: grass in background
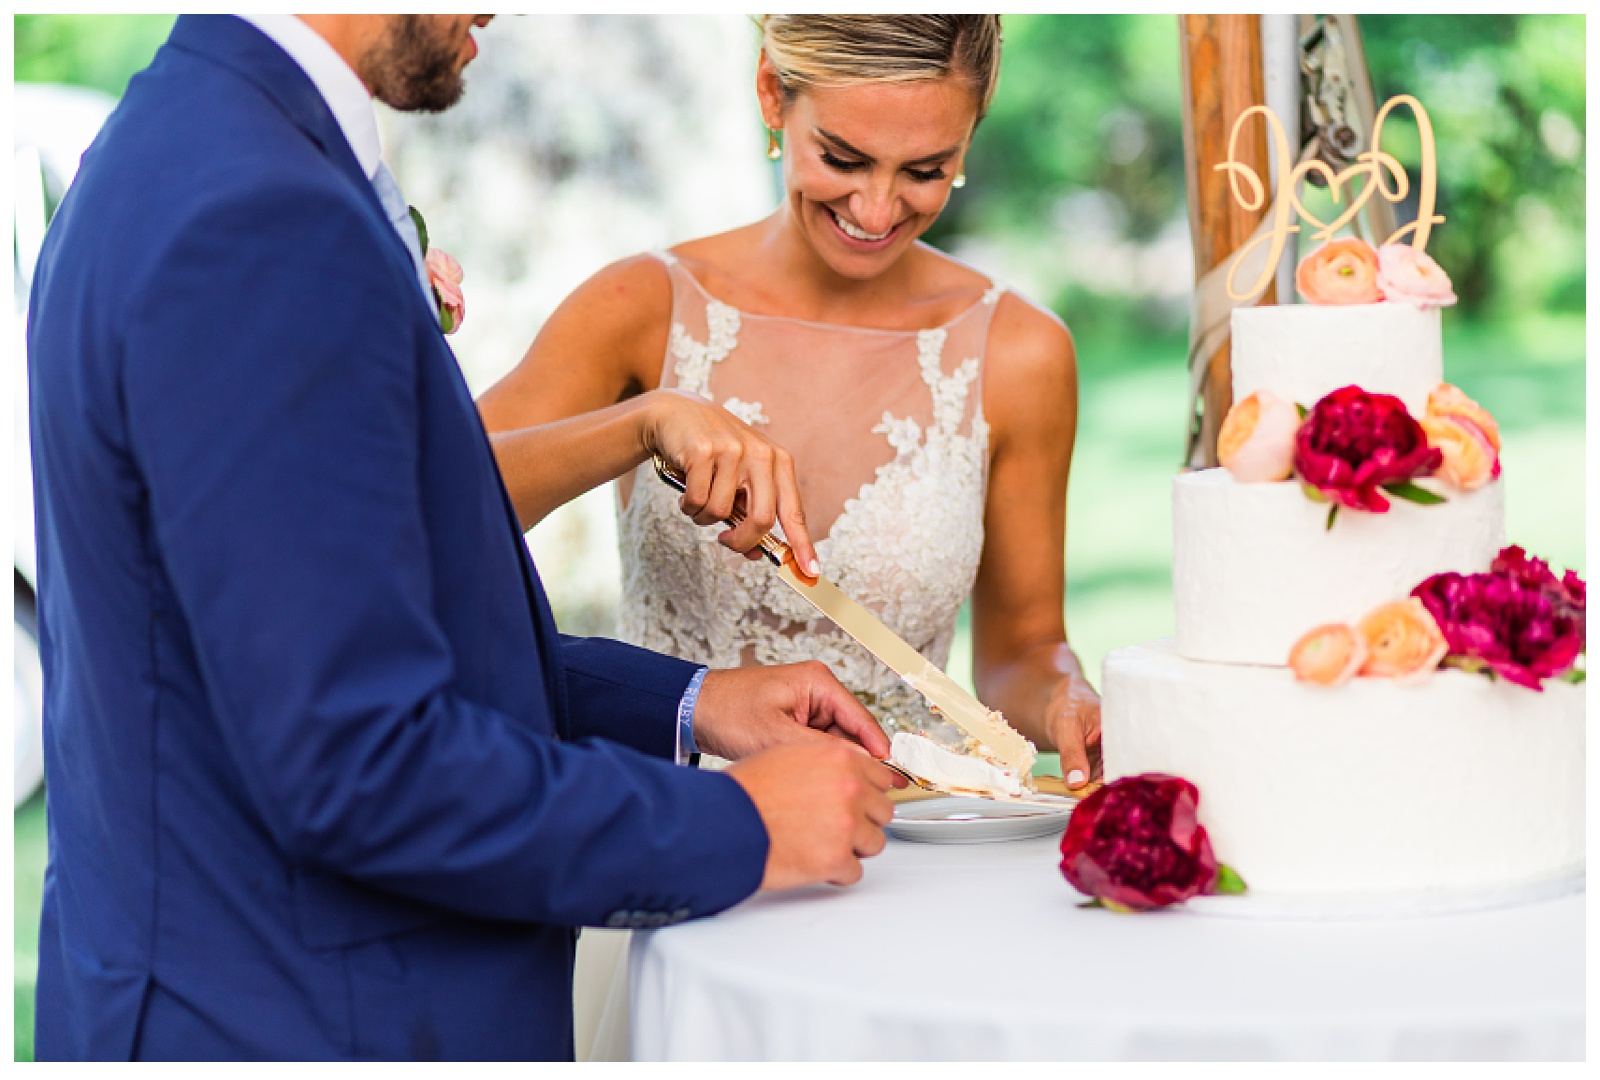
x: 29, y: 857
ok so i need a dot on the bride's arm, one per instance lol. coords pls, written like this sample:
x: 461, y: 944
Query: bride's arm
x: 583, y: 407
x: 572, y: 414
x: 1022, y: 663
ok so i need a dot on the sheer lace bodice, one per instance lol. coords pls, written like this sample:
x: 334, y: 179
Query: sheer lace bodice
x: 891, y: 448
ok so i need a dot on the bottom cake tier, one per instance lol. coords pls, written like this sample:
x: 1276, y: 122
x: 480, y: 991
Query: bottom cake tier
x: 1369, y: 788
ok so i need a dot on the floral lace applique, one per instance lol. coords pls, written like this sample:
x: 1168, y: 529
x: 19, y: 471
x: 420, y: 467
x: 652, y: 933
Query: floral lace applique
x: 748, y: 411
x: 694, y: 360
x: 906, y: 545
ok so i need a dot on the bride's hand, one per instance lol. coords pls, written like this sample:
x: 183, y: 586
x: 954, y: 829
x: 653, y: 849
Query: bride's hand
x: 727, y: 464
x: 743, y: 711
x: 1074, y: 718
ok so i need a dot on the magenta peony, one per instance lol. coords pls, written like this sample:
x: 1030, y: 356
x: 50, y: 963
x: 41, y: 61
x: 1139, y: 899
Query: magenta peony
x: 1352, y: 443
x: 1135, y: 845
x: 1518, y: 621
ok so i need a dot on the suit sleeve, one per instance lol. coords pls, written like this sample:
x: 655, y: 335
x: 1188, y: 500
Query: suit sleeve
x: 271, y: 387
x: 624, y: 693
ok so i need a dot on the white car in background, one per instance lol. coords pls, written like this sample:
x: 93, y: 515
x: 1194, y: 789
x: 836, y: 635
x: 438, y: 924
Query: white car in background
x: 52, y: 127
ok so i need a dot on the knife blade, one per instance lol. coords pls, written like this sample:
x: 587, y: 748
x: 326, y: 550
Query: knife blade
x: 941, y: 691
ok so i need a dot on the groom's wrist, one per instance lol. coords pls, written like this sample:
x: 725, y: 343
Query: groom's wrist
x: 687, y: 749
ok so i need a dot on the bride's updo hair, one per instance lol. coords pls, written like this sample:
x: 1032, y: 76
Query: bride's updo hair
x: 834, y: 50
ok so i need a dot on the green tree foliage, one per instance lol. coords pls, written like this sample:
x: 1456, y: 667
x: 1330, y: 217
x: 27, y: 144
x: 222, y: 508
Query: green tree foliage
x: 1507, y: 97
x: 1092, y: 103
x: 100, y: 51
x: 1084, y: 101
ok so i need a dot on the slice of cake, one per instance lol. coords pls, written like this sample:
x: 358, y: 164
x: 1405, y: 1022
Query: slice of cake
x: 1001, y: 763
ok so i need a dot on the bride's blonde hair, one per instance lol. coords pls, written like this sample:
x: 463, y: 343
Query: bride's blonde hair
x: 830, y: 50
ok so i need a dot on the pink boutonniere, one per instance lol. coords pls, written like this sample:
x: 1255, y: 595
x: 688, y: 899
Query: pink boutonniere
x: 445, y: 275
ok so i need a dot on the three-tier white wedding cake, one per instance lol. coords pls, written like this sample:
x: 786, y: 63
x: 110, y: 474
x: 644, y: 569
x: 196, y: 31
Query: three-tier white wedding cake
x: 1454, y: 784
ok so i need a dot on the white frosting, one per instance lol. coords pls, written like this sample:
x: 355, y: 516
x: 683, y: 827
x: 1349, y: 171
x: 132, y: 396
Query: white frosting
x: 927, y: 759
x: 1303, y: 352
x: 1254, y: 565
x: 1370, y: 787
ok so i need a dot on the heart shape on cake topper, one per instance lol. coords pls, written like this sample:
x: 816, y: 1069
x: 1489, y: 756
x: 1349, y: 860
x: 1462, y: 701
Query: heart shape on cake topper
x: 1380, y: 170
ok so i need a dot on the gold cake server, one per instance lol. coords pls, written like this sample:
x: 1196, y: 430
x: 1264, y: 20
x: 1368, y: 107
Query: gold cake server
x: 942, y: 692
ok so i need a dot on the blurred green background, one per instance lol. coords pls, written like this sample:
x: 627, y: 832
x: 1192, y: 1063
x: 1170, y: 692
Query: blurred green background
x: 1076, y: 183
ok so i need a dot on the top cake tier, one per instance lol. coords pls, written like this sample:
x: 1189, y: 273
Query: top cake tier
x: 1303, y: 352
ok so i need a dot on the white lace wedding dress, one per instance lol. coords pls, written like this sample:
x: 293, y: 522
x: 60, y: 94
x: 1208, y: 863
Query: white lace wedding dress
x: 890, y: 444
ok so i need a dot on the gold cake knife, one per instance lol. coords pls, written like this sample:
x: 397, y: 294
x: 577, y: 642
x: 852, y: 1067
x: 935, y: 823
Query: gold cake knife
x: 943, y: 692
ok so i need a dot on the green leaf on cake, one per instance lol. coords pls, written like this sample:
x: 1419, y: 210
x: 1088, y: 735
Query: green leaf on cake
x: 1229, y: 883
x: 1576, y: 675
x: 1333, y: 512
x: 1304, y: 412
x: 1411, y: 492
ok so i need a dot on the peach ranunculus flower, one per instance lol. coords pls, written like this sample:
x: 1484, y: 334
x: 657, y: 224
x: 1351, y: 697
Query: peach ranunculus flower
x: 1343, y: 271
x: 445, y: 274
x: 1466, y: 434
x: 1403, y: 642
x: 1256, y: 443
x: 1410, y: 276
x: 1328, y: 655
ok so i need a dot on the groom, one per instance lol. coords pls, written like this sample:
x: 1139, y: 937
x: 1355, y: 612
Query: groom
x: 324, y: 781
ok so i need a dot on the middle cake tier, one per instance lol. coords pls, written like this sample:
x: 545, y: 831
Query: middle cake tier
x: 1255, y: 565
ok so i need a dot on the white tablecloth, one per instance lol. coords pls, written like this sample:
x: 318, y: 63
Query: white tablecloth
x: 980, y: 952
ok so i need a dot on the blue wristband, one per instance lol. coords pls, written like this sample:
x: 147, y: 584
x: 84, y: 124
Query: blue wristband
x: 686, y: 704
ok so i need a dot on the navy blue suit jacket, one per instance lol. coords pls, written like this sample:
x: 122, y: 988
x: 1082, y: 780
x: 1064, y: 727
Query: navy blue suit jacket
x: 323, y: 779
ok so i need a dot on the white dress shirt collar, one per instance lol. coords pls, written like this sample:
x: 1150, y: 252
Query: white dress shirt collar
x: 341, y: 88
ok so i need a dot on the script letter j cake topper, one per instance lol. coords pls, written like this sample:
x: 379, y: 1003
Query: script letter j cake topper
x: 1376, y: 171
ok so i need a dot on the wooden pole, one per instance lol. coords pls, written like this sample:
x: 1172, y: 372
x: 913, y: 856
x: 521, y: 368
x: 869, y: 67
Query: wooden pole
x: 1221, y: 79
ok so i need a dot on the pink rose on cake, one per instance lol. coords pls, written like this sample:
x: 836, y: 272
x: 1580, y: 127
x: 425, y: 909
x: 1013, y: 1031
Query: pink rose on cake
x: 1136, y: 844
x: 1352, y: 444
x: 1403, y: 641
x: 1256, y: 443
x: 1467, y: 436
x: 1328, y: 655
x: 1518, y: 621
x: 1343, y: 271
x: 1408, y: 275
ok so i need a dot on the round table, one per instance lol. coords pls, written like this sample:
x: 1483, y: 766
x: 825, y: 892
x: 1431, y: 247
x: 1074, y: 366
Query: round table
x: 982, y: 952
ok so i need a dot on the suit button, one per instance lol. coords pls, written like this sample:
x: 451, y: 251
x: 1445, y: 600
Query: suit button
x: 617, y: 920
x: 639, y: 920
x: 681, y: 915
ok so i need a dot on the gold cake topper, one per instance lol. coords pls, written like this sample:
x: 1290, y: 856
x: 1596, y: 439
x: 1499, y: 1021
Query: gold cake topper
x: 1378, y: 167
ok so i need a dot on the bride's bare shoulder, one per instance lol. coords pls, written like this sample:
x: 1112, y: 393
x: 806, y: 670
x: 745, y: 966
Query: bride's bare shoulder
x: 1031, y: 362
x: 722, y: 261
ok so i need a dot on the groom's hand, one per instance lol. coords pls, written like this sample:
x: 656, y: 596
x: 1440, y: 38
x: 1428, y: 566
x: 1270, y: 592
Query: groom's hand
x: 824, y: 806
x: 743, y: 711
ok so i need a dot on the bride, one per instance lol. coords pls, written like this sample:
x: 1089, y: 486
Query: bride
x: 825, y: 358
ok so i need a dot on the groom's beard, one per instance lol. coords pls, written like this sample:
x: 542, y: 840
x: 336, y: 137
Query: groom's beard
x: 413, y: 68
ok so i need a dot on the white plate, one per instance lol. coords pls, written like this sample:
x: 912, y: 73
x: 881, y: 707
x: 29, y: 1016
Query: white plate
x: 954, y: 819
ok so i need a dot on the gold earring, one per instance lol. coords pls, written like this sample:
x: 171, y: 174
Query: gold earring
x: 774, y: 151
x: 960, y: 181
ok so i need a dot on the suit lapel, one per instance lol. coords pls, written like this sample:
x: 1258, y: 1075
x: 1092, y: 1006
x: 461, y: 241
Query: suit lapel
x: 235, y: 44
x: 256, y: 58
